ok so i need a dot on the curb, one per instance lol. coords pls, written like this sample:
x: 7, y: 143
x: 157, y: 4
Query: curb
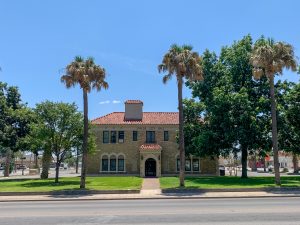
x: 295, y: 190
x: 70, y: 192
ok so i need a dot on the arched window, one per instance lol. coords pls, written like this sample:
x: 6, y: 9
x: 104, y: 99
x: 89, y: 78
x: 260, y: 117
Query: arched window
x: 104, y: 163
x: 113, y: 163
x: 121, y: 163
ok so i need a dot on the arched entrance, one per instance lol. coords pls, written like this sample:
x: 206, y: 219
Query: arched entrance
x: 150, y: 168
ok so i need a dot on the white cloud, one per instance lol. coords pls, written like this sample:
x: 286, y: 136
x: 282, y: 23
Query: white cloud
x: 104, y: 102
x: 116, y: 101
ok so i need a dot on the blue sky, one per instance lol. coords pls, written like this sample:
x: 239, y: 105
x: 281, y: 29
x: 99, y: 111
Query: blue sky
x: 128, y: 38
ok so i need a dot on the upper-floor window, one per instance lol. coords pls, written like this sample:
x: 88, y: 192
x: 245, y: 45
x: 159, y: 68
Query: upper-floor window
x: 150, y: 136
x: 121, y: 136
x: 166, y: 135
x: 105, y: 136
x: 134, y: 135
x: 113, y: 136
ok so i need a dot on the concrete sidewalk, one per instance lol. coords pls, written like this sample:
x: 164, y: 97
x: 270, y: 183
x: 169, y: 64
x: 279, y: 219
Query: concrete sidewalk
x: 146, y: 195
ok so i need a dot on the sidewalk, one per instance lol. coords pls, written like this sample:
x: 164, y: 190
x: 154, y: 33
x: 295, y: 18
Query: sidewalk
x: 151, y: 190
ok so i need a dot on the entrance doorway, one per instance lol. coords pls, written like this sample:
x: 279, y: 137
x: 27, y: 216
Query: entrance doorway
x: 150, y: 168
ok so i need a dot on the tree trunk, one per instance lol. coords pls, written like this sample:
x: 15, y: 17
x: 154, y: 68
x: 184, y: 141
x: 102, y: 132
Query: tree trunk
x: 36, y: 165
x: 181, y: 134
x: 57, y: 164
x: 46, y: 164
x: 85, y: 139
x: 77, y: 161
x: 244, y: 162
x: 274, y: 131
x: 7, y: 163
x: 264, y: 162
x: 295, y: 163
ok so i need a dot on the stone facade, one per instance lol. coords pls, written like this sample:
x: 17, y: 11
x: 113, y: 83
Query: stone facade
x: 139, y: 157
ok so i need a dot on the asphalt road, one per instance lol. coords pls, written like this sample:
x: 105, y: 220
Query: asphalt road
x: 258, y: 211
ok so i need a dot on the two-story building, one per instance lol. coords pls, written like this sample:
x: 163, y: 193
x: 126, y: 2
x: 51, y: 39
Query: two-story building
x: 141, y: 143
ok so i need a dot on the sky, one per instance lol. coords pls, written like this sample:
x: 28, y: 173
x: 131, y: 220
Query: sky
x: 128, y: 38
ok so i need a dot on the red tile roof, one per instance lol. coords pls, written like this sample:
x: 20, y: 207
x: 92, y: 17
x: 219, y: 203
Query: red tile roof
x: 157, y: 118
x: 133, y: 102
x: 150, y: 147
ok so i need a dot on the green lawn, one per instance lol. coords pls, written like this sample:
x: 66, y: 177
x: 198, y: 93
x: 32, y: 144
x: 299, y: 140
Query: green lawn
x: 229, y: 182
x: 71, y: 183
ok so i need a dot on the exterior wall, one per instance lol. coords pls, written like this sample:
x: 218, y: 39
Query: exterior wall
x: 166, y: 159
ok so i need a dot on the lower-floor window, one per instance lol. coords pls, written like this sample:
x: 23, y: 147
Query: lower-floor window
x: 121, y: 165
x: 187, y: 165
x: 190, y: 165
x: 113, y: 164
x: 195, y: 164
x: 104, y: 163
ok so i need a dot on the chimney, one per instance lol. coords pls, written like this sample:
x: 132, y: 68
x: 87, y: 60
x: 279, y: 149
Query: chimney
x: 133, y: 110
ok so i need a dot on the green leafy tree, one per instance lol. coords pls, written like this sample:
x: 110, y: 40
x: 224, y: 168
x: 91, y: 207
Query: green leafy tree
x: 270, y: 58
x: 88, y: 75
x: 181, y: 62
x: 15, y: 120
x: 59, y: 128
x: 234, y: 110
x: 288, y: 100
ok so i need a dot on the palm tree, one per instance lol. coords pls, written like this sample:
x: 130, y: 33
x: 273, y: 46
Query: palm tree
x: 88, y: 75
x: 269, y: 58
x: 182, y: 62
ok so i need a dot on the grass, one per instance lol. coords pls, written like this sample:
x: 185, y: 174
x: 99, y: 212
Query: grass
x: 71, y: 183
x: 228, y: 182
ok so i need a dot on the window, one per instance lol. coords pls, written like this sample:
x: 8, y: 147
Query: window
x: 187, y: 165
x: 104, y: 163
x: 195, y: 164
x: 113, y: 136
x: 150, y: 136
x: 121, y: 166
x: 166, y: 135
x: 105, y: 137
x: 121, y: 136
x: 134, y: 135
x: 113, y: 163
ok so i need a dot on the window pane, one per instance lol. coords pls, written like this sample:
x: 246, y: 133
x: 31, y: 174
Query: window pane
x: 134, y: 135
x: 178, y: 164
x: 187, y: 165
x: 105, y: 137
x: 113, y: 136
x: 113, y: 165
x: 195, y: 164
x: 104, y: 164
x: 150, y: 136
x: 120, y: 164
x: 121, y: 136
x: 166, y: 135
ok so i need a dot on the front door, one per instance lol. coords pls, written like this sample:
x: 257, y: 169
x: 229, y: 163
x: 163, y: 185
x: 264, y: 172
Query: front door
x: 150, y: 168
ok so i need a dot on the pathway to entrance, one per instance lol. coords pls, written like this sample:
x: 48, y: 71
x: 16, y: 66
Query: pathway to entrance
x: 151, y: 186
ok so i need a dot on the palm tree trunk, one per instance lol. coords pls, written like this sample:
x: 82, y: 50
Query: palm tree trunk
x: 46, y: 164
x: 181, y: 134
x: 274, y: 131
x: 85, y: 139
x: 7, y: 163
x: 244, y: 162
x: 295, y: 163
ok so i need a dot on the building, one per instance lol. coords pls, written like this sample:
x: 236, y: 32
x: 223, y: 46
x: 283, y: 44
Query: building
x: 141, y: 143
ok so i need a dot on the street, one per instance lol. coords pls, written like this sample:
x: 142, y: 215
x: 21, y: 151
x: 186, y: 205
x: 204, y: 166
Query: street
x: 165, y: 211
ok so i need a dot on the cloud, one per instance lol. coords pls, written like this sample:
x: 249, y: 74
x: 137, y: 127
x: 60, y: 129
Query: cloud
x: 116, y: 101
x: 104, y: 102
